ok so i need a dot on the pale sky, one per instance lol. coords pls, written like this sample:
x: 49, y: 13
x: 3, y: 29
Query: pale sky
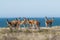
x: 29, y: 8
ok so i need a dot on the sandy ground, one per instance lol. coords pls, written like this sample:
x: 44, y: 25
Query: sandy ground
x: 44, y: 33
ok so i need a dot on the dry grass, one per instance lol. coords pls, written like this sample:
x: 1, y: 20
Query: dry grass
x: 42, y: 34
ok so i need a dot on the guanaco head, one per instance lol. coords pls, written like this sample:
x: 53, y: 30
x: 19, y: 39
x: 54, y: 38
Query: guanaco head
x: 46, y: 18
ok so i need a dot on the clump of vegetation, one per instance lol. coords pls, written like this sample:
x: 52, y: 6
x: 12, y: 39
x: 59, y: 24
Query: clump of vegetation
x: 27, y: 31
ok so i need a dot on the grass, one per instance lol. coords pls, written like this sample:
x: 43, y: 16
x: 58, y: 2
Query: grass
x: 27, y: 34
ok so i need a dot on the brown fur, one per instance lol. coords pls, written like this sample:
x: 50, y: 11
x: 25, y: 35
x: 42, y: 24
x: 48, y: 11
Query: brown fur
x: 49, y: 22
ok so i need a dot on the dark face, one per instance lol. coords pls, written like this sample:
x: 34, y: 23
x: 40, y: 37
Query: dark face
x: 16, y: 19
x: 25, y: 18
x: 7, y: 19
x: 45, y: 17
x: 19, y: 17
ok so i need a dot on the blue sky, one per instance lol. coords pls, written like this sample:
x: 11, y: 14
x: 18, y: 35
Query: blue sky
x: 29, y: 8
